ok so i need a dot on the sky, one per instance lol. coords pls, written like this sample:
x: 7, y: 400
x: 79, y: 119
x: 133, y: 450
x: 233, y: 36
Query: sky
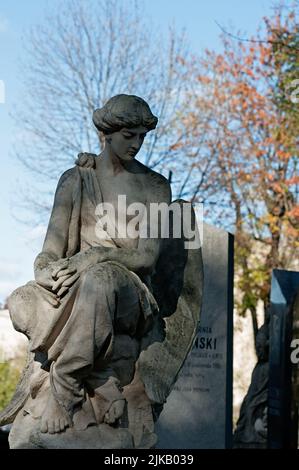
x: 19, y: 243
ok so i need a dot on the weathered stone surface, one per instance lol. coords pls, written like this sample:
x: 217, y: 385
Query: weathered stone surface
x: 26, y: 434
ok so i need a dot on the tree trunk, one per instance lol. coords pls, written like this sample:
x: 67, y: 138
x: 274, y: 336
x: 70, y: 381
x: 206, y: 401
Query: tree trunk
x: 254, y: 323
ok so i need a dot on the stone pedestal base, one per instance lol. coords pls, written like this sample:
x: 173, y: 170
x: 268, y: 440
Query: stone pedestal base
x: 25, y: 434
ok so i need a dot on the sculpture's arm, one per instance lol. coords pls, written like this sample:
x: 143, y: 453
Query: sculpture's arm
x: 141, y: 259
x: 56, y: 239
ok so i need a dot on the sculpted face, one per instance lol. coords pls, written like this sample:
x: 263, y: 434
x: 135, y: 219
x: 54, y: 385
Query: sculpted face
x: 126, y: 143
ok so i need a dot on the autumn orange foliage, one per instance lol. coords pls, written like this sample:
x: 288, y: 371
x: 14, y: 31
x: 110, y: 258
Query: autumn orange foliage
x: 253, y: 142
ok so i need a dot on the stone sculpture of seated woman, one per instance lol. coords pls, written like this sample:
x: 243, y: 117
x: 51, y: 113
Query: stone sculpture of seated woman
x: 102, y: 355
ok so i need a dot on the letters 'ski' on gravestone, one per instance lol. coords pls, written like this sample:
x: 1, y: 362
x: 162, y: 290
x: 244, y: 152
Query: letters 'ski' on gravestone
x: 283, y: 406
x: 198, y: 412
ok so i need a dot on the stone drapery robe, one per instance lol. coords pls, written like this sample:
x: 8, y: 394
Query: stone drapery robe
x: 88, y: 345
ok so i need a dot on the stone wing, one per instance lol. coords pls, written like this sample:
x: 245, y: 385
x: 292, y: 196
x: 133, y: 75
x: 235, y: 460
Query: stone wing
x: 178, y: 287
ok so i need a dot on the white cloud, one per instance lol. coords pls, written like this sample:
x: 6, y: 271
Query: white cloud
x: 4, y: 23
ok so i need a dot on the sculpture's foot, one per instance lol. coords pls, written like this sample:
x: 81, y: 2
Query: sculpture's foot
x: 115, y: 411
x: 54, y: 418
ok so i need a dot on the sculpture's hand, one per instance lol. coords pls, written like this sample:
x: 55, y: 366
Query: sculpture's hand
x: 86, y: 160
x: 57, y: 266
x: 45, y: 268
x: 44, y: 277
x: 68, y: 273
x: 64, y: 276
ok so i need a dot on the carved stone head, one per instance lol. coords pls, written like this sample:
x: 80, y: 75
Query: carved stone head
x: 124, y: 121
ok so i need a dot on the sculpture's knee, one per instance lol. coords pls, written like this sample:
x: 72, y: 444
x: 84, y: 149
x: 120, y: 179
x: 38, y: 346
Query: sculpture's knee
x: 103, y: 275
x: 21, y: 308
x: 90, y: 277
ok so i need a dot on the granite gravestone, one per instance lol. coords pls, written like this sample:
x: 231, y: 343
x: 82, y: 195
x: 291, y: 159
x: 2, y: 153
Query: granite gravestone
x: 295, y: 372
x: 282, y: 406
x: 198, y: 412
